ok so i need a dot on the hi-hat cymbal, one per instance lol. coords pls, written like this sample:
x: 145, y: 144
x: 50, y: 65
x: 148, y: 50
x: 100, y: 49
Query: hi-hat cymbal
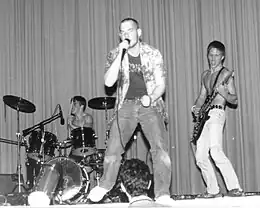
x: 102, y: 103
x: 19, y: 104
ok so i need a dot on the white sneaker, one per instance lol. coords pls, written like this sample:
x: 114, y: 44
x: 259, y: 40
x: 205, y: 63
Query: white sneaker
x: 97, y: 193
x: 165, y: 200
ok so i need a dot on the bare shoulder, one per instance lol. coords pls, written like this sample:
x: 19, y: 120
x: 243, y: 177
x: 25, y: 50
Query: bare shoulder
x: 227, y: 73
x: 204, y: 73
x: 88, y: 116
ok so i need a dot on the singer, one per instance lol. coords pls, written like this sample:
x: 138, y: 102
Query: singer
x: 139, y: 72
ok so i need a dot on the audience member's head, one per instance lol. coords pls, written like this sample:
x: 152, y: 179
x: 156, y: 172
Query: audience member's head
x: 135, y: 177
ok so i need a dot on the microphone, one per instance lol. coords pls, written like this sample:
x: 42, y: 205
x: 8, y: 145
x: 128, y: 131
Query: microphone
x: 124, y: 49
x: 62, y: 121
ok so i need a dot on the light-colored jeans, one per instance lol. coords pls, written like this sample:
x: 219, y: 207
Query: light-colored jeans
x: 210, y: 144
x: 154, y: 130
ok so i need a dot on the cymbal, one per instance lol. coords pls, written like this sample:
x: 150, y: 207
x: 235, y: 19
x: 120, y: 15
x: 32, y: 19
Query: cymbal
x: 101, y: 103
x: 19, y: 104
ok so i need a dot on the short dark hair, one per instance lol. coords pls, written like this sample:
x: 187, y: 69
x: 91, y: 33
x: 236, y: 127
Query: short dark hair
x: 130, y: 19
x: 218, y: 45
x: 81, y: 100
x: 135, y: 175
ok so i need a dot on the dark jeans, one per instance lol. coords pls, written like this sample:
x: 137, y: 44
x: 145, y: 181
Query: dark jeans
x: 132, y: 113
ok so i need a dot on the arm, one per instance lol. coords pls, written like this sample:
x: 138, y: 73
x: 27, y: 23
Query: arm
x: 228, y: 90
x: 113, y: 65
x: 70, y: 120
x: 70, y: 126
x: 160, y: 77
x: 88, y: 121
x: 203, y: 93
x: 112, y: 70
x: 159, y: 74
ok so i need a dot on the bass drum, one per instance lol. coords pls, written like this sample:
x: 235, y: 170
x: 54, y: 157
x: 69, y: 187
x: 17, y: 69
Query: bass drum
x: 74, y: 181
x: 63, y: 180
x: 46, y: 184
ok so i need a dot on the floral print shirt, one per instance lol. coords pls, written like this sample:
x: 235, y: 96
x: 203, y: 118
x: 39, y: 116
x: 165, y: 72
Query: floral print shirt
x: 153, y: 70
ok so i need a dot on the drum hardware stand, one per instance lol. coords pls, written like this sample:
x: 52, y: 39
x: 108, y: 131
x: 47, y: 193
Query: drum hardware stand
x: 83, y: 141
x: 20, y: 105
x: 106, y: 116
x: 19, y: 166
x: 42, y: 151
x: 65, y: 150
x: 98, y: 176
x: 39, y: 125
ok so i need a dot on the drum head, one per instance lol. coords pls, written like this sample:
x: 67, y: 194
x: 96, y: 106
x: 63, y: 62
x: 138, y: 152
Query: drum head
x: 83, y: 152
x: 71, y: 181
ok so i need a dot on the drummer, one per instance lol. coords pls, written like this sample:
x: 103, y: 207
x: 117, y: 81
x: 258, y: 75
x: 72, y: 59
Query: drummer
x: 77, y: 120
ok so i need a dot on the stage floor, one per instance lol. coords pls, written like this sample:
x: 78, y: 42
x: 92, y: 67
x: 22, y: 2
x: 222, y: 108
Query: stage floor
x: 221, y: 202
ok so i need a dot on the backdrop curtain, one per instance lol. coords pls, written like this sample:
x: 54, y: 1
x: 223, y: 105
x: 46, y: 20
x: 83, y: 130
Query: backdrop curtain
x: 53, y: 50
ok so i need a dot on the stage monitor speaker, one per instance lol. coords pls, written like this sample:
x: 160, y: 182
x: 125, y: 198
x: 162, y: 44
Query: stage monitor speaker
x: 9, y: 183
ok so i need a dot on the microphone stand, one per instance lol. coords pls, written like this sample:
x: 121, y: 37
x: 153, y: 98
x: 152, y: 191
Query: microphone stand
x: 41, y: 124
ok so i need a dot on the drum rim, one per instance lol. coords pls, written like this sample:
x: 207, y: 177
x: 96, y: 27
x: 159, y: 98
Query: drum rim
x: 76, y: 188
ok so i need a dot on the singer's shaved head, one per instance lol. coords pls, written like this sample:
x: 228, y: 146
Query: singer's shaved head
x: 130, y: 19
x: 129, y: 29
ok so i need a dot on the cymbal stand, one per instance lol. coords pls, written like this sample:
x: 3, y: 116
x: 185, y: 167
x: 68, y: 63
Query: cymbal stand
x: 83, y: 141
x: 42, y: 151
x: 19, y: 166
x: 106, y: 117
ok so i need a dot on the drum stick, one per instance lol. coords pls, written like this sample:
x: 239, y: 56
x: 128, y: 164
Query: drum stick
x: 70, y: 112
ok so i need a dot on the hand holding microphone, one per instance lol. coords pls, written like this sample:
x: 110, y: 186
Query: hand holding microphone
x: 123, y: 46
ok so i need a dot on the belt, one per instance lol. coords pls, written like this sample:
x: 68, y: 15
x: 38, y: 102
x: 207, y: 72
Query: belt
x: 134, y: 100
x: 221, y: 107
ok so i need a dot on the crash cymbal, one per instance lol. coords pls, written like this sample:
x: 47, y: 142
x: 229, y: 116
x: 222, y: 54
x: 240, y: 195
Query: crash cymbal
x: 101, y: 103
x: 19, y: 104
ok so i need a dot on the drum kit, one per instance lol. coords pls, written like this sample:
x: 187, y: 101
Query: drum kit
x: 63, y: 178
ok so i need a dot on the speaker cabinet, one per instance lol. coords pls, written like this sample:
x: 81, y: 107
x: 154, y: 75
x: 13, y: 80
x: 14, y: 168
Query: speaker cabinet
x: 9, y: 183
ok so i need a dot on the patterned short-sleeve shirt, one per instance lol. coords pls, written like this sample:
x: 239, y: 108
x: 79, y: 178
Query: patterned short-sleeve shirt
x: 153, y: 70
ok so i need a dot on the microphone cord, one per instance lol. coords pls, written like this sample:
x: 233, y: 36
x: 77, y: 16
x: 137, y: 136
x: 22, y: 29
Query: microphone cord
x: 119, y: 80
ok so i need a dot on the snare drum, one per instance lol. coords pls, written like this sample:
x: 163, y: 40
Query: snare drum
x: 41, y: 142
